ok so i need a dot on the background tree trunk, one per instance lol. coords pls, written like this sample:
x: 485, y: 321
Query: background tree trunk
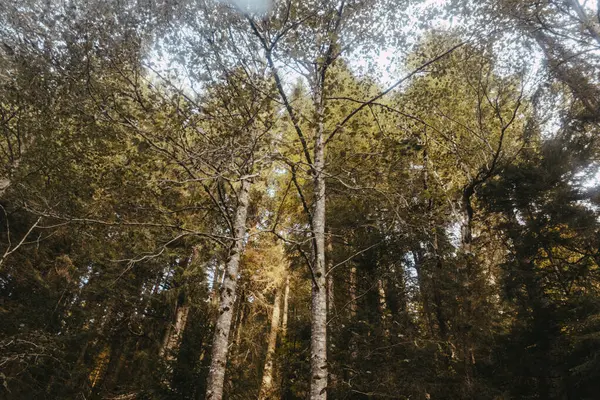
x: 286, y: 296
x: 352, y: 292
x: 266, y: 389
x: 174, y: 332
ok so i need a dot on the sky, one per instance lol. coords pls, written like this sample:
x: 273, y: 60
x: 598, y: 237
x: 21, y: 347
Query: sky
x: 388, y: 63
x: 251, y: 6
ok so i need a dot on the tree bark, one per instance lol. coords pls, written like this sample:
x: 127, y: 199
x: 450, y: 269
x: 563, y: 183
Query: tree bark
x: 240, y: 322
x: 330, y: 283
x: 466, y: 281
x: 174, y: 332
x: 266, y: 388
x: 318, y: 345
x: 353, y: 292
x: 467, y: 218
x: 217, y: 279
x: 437, y: 292
x: 382, y: 307
x: 286, y: 296
x: 423, y: 291
x: 220, y: 347
x: 176, y: 327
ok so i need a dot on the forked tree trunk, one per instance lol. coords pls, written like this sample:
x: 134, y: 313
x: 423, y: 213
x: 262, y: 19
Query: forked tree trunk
x: 220, y: 347
x: 267, y: 391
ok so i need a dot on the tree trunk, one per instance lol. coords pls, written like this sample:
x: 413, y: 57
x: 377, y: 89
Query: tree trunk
x: 240, y: 322
x: 466, y: 280
x: 423, y: 291
x: 382, y: 307
x: 217, y: 279
x: 286, y: 296
x: 318, y: 345
x: 330, y: 283
x: 266, y: 389
x: 220, y: 347
x: 467, y: 218
x: 176, y: 327
x: 330, y: 304
x: 174, y: 332
x: 353, y: 292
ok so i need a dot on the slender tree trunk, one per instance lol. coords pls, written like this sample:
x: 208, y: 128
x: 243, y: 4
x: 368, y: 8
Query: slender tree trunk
x: 220, y: 347
x: 381, y: 303
x: 284, y: 368
x: 330, y: 294
x: 423, y: 291
x: 318, y: 345
x: 286, y: 296
x: 330, y: 283
x: 217, y: 279
x: 176, y: 327
x: 437, y: 292
x: 174, y: 332
x: 330, y: 304
x: 382, y: 307
x: 466, y: 281
x: 240, y: 322
x: 467, y: 219
x: 100, y: 367
x: 352, y: 291
x: 419, y: 260
x: 267, y: 391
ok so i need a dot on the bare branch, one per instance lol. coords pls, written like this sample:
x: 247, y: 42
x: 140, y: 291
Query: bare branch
x: 9, y: 251
x: 340, y: 125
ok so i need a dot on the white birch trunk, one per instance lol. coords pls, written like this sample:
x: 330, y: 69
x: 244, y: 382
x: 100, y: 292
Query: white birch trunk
x: 220, y: 347
x: 318, y: 345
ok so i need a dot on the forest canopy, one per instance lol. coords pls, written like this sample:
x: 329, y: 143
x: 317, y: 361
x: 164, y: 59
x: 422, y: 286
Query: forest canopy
x: 299, y: 199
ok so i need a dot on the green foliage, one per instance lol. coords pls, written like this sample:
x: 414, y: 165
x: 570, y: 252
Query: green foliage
x: 127, y: 127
